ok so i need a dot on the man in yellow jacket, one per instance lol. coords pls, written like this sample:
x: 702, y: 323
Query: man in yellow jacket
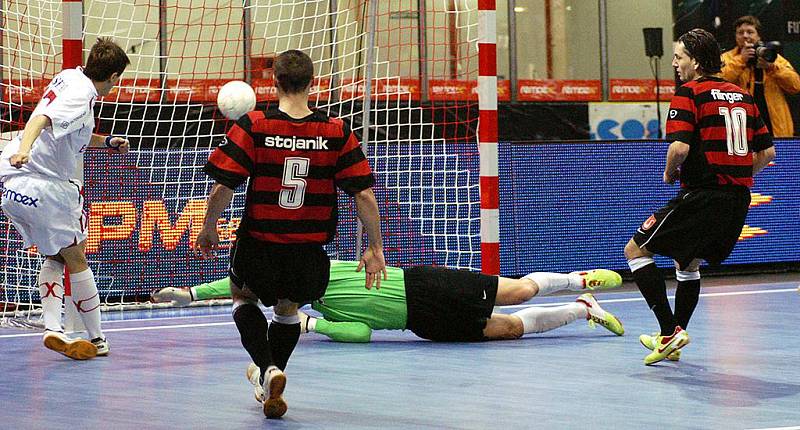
x: 743, y: 67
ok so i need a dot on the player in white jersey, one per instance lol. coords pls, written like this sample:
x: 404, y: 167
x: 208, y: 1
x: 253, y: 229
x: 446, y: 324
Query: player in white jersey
x: 45, y: 204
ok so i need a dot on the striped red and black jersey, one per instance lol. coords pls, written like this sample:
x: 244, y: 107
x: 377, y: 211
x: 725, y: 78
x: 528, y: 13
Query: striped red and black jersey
x: 722, y: 126
x: 294, y: 166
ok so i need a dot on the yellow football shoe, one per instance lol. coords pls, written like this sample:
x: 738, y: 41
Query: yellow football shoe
x: 596, y: 314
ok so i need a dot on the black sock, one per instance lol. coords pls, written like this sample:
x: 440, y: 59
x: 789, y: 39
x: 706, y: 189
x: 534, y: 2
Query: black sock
x: 282, y: 339
x: 253, y: 327
x: 686, y: 297
x: 651, y: 284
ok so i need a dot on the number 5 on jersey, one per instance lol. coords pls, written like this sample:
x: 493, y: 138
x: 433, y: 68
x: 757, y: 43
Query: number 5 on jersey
x: 293, y: 191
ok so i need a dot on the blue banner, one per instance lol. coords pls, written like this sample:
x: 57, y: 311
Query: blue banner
x: 573, y: 206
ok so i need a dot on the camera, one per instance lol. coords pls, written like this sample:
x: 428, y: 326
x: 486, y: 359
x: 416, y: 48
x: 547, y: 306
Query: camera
x: 768, y: 51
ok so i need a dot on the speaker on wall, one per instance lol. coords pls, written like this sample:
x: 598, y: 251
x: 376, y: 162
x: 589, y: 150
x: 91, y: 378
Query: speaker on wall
x: 653, y: 46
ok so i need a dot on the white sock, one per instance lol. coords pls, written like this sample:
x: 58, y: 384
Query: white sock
x: 550, y: 283
x: 51, y: 291
x: 681, y: 275
x: 639, y: 262
x: 87, y: 300
x: 311, y: 325
x: 286, y: 319
x: 539, y: 320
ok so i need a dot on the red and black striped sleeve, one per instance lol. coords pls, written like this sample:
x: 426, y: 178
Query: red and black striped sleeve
x: 762, y: 138
x: 233, y: 160
x: 353, y: 173
x: 682, y: 118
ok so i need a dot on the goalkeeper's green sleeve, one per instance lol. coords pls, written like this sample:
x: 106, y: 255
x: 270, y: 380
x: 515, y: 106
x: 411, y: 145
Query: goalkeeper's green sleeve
x: 220, y: 289
x: 344, y: 331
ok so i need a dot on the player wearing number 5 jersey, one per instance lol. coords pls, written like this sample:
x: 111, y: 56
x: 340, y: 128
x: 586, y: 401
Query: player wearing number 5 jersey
x: 295, y: 159
x: 719, y: 141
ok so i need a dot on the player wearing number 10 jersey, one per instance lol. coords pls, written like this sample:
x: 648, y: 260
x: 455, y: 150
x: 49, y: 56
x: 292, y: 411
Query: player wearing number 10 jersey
x: 295, y: 159
x: 719, y: 141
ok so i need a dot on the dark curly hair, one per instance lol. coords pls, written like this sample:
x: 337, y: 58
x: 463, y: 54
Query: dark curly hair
x: 703, y: 47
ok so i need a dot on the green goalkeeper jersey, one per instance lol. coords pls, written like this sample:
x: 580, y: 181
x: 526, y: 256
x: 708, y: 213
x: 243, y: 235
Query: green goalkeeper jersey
x: 346, y: 298
x: 350, y: 311
x: 219, y: 289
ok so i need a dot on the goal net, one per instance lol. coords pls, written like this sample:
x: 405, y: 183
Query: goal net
x: 403, y: 73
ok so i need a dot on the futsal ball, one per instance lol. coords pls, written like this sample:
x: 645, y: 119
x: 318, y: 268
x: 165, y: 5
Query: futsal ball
x: 235, y: 99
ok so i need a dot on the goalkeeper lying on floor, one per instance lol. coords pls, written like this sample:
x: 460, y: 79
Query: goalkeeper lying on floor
x: 436, y: 303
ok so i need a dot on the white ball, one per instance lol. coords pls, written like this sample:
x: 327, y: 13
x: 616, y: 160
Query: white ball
x: 235, y: 99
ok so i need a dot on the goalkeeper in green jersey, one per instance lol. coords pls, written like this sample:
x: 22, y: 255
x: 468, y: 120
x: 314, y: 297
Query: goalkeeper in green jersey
x: 436, y: 303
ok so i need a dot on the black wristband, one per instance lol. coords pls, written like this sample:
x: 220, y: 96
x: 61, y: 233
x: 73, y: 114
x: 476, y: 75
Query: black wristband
x: 108, y: 144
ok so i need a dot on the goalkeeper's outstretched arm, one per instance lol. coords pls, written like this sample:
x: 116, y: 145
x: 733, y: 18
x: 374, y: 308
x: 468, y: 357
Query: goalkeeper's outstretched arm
x: 219, y: 289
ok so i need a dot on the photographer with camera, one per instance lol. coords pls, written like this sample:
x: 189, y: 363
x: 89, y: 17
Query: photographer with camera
x: 758, y: 68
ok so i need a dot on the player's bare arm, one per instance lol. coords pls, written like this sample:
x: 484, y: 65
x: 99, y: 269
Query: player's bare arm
x: 114, y: 143
x: 208, y: 239
x: 372, y: 259
x: 32, y: 130
x: 676, y: 155
x: 762, y: 158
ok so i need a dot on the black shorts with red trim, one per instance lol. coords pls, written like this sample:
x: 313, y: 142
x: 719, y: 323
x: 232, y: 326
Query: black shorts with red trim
x: 447, y: 305
x: 272, y: 271
x: 700, y: 223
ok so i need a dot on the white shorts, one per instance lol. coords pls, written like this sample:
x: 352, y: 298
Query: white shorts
x: 47, y: 212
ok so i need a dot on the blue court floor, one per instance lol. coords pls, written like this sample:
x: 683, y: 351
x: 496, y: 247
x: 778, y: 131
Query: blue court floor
x: 185, y: 369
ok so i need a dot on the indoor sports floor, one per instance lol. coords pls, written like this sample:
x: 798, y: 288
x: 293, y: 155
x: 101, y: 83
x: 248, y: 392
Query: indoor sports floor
x: 185, y: 369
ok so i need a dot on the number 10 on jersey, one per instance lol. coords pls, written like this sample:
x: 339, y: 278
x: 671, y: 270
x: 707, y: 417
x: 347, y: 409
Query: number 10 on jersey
x: 735, y: 129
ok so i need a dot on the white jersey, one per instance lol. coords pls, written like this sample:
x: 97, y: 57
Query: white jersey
x: 69, y: 103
